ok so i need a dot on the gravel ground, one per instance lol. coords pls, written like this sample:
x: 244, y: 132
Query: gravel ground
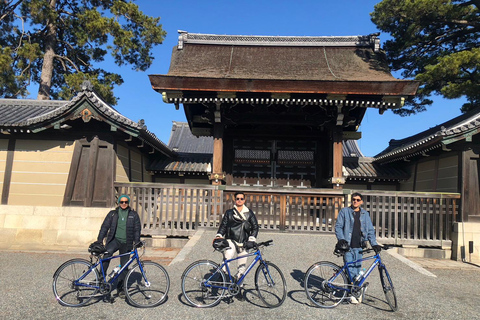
x: 26, y: 288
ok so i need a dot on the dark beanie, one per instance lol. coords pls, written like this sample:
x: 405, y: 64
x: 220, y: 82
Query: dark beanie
x: 123, y: 196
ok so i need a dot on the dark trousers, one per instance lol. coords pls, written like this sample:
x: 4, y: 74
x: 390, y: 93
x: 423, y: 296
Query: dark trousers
x: 112, y: 247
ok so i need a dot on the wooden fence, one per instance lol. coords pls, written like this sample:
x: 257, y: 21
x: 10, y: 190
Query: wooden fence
x: 173, y: 209
x: 400, y: 218
x: 413, y: 218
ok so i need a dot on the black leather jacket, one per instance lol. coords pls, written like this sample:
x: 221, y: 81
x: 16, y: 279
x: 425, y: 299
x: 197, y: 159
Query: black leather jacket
x: 238, y: 230
x: 109, y: 227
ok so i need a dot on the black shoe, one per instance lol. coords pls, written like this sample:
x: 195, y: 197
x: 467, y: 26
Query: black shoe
x: 240, y: 296
x: 107, y: 298
x: 121, y: 294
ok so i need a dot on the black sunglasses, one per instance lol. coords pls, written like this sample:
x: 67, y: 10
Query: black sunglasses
x: 240, y: 198
x: 357, y: 200
x: 124, y: 202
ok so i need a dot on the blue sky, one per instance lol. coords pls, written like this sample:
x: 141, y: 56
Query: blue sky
x: 283, y: 18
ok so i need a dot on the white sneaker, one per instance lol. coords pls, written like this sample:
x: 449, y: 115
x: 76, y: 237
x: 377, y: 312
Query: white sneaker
x: 353, y: 300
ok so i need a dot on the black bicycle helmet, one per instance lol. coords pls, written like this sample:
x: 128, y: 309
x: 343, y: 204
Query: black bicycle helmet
x: 97, y: 248
x: 341, y: 247
x: 220, y: 244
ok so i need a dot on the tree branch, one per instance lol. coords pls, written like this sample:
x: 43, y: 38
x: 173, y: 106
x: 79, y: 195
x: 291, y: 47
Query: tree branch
x: 10, y: 10
x: 61, y: 58
x: 476, y: 3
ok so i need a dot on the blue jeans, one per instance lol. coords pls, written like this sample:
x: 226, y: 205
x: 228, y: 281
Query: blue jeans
x: 352, y: 255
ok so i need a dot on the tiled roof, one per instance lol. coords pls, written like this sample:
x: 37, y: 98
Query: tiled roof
x: 25, y: 115
x: 195, y: 163
x: 351, y: 149
x: 364, y: 168
x: 250, y: 65
x: 355, y: 58
x: 16, y: 111
x: 432, y: 138
x: 182, y: 140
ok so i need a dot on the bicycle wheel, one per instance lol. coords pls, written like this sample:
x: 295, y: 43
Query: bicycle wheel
x: 147, y: 293
x: 270, y: 284
x: 388, y: 288
x: 203, y: 283
x: 318, y: 284
x: 68, y: 289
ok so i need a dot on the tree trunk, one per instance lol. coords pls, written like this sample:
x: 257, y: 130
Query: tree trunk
x: 47, y: 66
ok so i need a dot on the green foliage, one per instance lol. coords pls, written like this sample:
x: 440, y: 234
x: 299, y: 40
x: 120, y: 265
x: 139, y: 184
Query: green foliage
x: 435, y: 42
x: 85, y: 32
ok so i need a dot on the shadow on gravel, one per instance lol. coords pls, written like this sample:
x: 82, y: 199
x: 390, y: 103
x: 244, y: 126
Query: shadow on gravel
x: 299, y: 276
x: 376, y: 303
x: 296, y: 295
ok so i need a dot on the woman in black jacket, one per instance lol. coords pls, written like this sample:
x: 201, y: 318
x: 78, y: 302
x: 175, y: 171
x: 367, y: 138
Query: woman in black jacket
x: 122, y: 229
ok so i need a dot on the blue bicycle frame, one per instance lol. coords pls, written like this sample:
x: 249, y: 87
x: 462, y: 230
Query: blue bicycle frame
x: 225, y: 263
x: 345, y: 269
x: 134, y: 257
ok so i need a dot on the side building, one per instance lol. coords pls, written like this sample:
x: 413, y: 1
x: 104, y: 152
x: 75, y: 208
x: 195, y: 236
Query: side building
x: 445, y: 158
x: 59, y: 161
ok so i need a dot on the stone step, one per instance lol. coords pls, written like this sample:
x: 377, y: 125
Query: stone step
x: 433, y: 253
x: 165, y: 242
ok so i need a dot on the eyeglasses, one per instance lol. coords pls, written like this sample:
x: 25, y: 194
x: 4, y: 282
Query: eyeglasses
x: 356, y: 200
x: 240, y: 199
x: 122, y: 202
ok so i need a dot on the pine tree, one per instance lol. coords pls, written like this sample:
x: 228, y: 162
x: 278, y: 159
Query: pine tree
x: 436, y: 42
x: 60, y: 43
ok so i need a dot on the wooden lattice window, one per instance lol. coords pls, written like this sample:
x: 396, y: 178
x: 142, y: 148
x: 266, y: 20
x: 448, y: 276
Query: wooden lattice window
x: 295, y: 157
x: 252, y: 156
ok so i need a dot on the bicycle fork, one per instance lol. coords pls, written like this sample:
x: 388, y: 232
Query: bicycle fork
x: 267, y: 275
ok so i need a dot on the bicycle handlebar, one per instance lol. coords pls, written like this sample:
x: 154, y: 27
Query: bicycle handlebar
x: 342, y: 253
x: 139, y: 244
x: 256, y: 247
x: 384, y: 247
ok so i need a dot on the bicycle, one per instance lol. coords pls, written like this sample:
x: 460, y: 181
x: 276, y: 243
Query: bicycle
x: 327, y: 284
x: 77, y: 281
x: 204, y: 283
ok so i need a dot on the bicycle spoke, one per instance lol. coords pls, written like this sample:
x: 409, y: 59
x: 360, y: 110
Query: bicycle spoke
x: 270, y: 284
x: 388, y: 288
x: 203, y: 284
x: 65, y: 289
x: 318, y: 287
x: 146, y: 295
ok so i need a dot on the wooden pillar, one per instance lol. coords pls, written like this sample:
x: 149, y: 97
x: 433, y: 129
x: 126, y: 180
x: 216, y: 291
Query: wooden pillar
x: 7, y: 177
x: 217, y: 176
x: 337, y: 164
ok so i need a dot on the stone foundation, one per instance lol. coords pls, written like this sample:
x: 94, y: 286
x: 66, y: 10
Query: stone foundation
x: 463, y: 233
x: 50, y: 228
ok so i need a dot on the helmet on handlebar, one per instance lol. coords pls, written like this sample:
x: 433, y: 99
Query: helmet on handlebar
x: 341, y: 247
x: 220, y: 244
x: 97, y: 248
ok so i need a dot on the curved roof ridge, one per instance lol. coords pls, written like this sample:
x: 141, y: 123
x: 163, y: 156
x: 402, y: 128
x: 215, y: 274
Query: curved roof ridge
x: 370, y: 40
x: 457, y: 125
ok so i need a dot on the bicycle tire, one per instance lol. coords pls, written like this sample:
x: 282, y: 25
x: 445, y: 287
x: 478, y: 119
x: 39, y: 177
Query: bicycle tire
x: 270, y: 284
x: 141, y: 294
x: 316, y: 284
x: 196, y: 281
x: 388, y: 288
x: 64, y: 288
